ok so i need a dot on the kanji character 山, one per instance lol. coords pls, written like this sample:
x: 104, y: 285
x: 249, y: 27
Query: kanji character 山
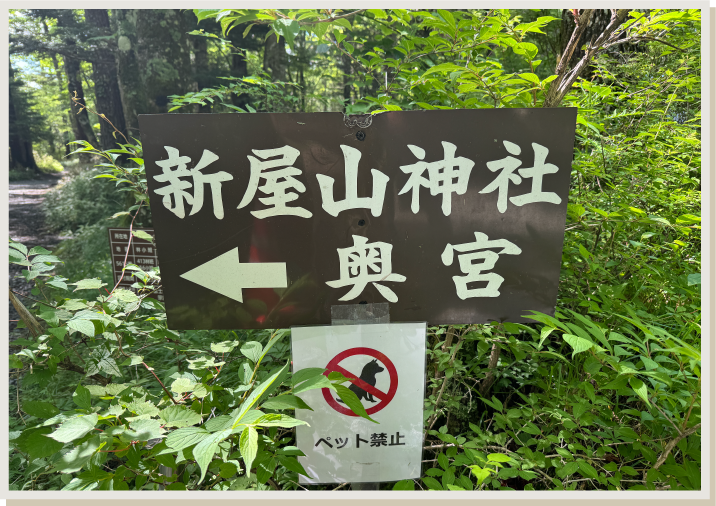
x: 509, y: 164
x: 176, y: 187
x: 474, y: 270
x: 352, y: 201
x: 447, y: 176
x: 276, y: 183
x: 365, y: 263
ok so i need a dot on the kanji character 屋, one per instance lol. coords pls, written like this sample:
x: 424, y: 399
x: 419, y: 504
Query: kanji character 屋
x: 352, y: 201
x: 276, y: 183
x: 365, y: 263
x: 176, y: 187
x: 447, y: 176
x: 474, y: 270
x: 509, y: 164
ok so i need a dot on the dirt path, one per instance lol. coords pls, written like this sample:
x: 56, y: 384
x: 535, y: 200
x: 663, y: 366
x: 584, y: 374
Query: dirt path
x: 27, y: 225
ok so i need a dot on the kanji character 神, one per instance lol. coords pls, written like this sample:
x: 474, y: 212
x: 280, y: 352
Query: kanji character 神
x: 508, y: 166
x: 447, y: 176
x: 176, y: 187
x: 365, y: 263
x: 352, y: 201
x: 474, y: 271
x: 276, y: 183
x: 379, y: 439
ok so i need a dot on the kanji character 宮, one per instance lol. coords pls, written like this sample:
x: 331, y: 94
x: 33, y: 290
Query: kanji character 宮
x: 395, y: 440
x: 365, y: 263
x: 352, y: 201
x: 324, y: 441
x: 509, y: 164
x: 176, y: 187
x: 379, y: 439
x: 276, y: 183
x: 447, y: 176
x: 359, y: 439
x: 342, y: 442
x: 474, y: 270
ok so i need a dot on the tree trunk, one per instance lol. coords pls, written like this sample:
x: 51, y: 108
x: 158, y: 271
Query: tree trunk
x: 596, y: 25
x: 129, y: 74
x: 275, y: 58
x: 106, y: 88
x: 201, y: 70
x: 81, y: 125
x: 347, y: 76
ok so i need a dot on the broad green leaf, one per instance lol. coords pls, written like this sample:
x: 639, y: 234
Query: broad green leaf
x: 78, y: 457
x: 305, y: 374
x: 286, y: 401
x: 141, y: 234
x: 179, y: 416
x: 498, y: 457
x: 82, y: 398
x: 224, y: 346
x: 404, y: 485
x: 39, y: 409
x: 292, y: 464
x: 351, y: 400
x: 276, y: 420
x: 312, y: 383
x: 144, y: 430
x: 694, y: 279
x: 577, y: 343
x: 248, y: 445
x: 444, y: 67
x: 37, y: 445
x: 74, y: 428
x: 205, y: 450
x: 183, y: 438
x: 252, y: 350
x: 84, y: 326
x: 89, y: 284
x: 587, y: 470
x: 258, y: 392
x: 640, y: 389
x: 182, y: 385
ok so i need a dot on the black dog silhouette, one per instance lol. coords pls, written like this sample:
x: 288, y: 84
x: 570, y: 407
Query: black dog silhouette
x: 368, y: 375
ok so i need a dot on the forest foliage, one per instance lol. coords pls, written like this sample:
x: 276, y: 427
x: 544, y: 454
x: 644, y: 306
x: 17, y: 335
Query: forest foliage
x: 604, y: 395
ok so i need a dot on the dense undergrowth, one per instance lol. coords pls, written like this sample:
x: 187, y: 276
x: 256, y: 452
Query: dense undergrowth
x: 604, y: 395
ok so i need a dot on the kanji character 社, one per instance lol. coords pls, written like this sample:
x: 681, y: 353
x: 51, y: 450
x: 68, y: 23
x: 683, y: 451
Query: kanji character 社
x: 176, y: 187
x: 276, y: 183
x: 352, y: 201
x: 365, y: 263
x: 341, y: 441
x: 447, y: 176
x: 474, y: 270
x: 509, y: 164
x: 324, y: 441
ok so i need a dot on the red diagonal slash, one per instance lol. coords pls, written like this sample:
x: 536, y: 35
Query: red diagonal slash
x: 360, y: 383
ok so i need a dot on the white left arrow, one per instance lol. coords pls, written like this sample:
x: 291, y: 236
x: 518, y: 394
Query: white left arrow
x: 227, y: 276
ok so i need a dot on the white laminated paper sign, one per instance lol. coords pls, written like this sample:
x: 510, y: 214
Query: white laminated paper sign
x: 387, y: 362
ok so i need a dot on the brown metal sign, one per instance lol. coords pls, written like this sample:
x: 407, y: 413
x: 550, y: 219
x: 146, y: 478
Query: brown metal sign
x: 142, y: 253
x: 268, y: 220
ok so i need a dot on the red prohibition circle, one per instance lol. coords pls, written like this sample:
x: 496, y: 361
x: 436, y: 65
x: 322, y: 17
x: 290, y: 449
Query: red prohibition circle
x: 385, y: 397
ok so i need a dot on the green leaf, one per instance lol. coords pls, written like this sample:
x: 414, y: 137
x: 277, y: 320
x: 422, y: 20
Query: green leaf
x: 224, y: 346
x: 141, y: 234
x: 75, y: 428
x: 227, y: 470
x: 258, y: 392
x: 640, y: 389
x: 314, y: 382
x: 286, y: 401
x: 351, y: 400
x: 84, y: 326
x: 184, y: 438
x: 182, y: 385
x: 577, y: 343
x: 37, y: 445
x: 179, y: 416
x: 305, y: 374
x: 89, y: 284
x: 248, y: 445
x: 39, y: 409
x: 587, y: 470
x: 444, y: 67
x: 404, y: 485
x: 431, y: 483
x: 498, y: 457
x: 82, y: 398
x: 205, y: 450
x: 76, y: 458
x: 694, y: 279
x: 569, y: 469
x: 144, y: 430
x: 252, y: 350
x: 292, y: 464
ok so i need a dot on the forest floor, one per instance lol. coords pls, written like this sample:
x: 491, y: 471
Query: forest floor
x: 27, y: 226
